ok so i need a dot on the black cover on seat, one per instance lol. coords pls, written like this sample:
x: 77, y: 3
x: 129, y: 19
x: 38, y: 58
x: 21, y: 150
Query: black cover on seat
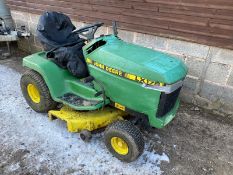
x: 54, y: 31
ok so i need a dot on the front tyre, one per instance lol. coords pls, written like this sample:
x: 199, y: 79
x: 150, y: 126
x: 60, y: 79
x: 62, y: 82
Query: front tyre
x: 36, y: 92
x: 124, y: 140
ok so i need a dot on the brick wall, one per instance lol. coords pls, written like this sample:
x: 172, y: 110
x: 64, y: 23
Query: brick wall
x: 209, y: 83
x: 207, y: 22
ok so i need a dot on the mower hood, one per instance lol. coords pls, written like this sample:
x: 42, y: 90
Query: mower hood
x: 133, y: 59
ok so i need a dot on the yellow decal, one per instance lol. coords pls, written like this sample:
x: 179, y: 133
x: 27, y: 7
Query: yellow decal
x: 130, y: 76
x: 161, y: 84
x: 124, y: 74
x: 113, y: 71
x: 88, y: 60
x: 119, y: 106
x: 101, y: 66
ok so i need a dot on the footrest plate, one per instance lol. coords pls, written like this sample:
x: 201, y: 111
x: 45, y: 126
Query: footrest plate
x: 78, y: 101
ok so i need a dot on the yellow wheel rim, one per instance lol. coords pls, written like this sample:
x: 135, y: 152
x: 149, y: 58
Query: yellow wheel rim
x: 33, y: 93
x: 119, y: 145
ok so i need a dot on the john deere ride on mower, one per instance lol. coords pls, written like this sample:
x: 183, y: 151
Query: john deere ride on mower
x: 111, y: 84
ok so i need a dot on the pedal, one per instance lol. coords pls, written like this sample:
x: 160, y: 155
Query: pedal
x: 98, y: 93
x: 88, y: 79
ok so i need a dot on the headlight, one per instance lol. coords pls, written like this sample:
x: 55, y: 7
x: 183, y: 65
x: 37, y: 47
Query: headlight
x: 168, y: 88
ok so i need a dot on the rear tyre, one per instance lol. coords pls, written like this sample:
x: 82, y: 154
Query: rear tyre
x: 124, y: 140
x: 36, y: 92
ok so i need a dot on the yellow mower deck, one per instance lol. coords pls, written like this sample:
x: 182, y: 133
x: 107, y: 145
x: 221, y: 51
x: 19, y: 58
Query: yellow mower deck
x: 91, y: 120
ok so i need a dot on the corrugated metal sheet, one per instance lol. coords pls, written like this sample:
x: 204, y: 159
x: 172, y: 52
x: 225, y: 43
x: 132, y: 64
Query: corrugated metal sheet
x: 203, y: 21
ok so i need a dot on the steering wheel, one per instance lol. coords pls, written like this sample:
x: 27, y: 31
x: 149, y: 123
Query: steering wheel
x: 90, y: 29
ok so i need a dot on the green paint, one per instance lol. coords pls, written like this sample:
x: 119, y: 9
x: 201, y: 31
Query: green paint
x: 138, y: 60
x: 60, y: 81
x: 129, y: 58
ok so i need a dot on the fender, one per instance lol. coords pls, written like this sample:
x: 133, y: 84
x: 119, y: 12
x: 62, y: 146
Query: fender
x: 60, y: 81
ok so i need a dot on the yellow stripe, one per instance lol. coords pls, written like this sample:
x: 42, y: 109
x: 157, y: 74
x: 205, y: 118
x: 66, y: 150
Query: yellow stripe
x: 123, y: 74
x: 119, y: 106
x: 89, y: 61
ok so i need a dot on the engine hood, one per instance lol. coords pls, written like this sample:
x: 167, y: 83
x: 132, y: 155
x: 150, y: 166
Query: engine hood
x: 137, y: 60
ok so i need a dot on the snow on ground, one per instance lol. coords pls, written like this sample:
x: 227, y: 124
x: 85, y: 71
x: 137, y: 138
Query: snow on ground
x: 48, y: 145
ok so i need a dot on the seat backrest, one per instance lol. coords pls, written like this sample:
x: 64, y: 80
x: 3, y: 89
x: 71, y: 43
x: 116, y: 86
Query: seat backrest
x: 55, y: 29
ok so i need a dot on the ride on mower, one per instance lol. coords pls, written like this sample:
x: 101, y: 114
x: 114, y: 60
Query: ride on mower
x: 126, y: 85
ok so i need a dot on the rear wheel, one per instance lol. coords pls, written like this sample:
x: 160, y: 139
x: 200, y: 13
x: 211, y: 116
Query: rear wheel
x: 124, y: 140
x: 36, y: 92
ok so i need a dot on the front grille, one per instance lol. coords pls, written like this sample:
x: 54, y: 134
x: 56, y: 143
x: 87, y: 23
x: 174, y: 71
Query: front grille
x: 167, y: 102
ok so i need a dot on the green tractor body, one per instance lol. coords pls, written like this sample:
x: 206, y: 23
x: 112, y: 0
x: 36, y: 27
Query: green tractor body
x: 132, y: 78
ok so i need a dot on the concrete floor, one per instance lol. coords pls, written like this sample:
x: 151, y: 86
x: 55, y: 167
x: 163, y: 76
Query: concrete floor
x: 196, y: 142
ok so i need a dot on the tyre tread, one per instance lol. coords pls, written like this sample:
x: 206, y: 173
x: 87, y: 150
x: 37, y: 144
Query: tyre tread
x: 49, y: 103
x: 131, y: 130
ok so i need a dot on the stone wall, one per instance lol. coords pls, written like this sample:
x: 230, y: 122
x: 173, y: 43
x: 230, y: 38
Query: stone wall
x: 209, y: 83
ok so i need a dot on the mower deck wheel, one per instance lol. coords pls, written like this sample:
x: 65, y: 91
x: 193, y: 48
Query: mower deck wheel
x: 36, y: 92
x: 124, y: 140
x: 85, y: 135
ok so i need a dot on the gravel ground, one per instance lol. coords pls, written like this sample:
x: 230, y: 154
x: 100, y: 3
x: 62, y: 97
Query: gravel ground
x: 196, y: 142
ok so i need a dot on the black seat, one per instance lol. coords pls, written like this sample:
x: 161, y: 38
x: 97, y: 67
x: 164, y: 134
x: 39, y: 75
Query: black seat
x: 54, y: 31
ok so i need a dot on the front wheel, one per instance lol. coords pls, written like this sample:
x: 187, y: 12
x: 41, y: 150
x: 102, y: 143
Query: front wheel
x: 124, y: 140
x: 36, y: 92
